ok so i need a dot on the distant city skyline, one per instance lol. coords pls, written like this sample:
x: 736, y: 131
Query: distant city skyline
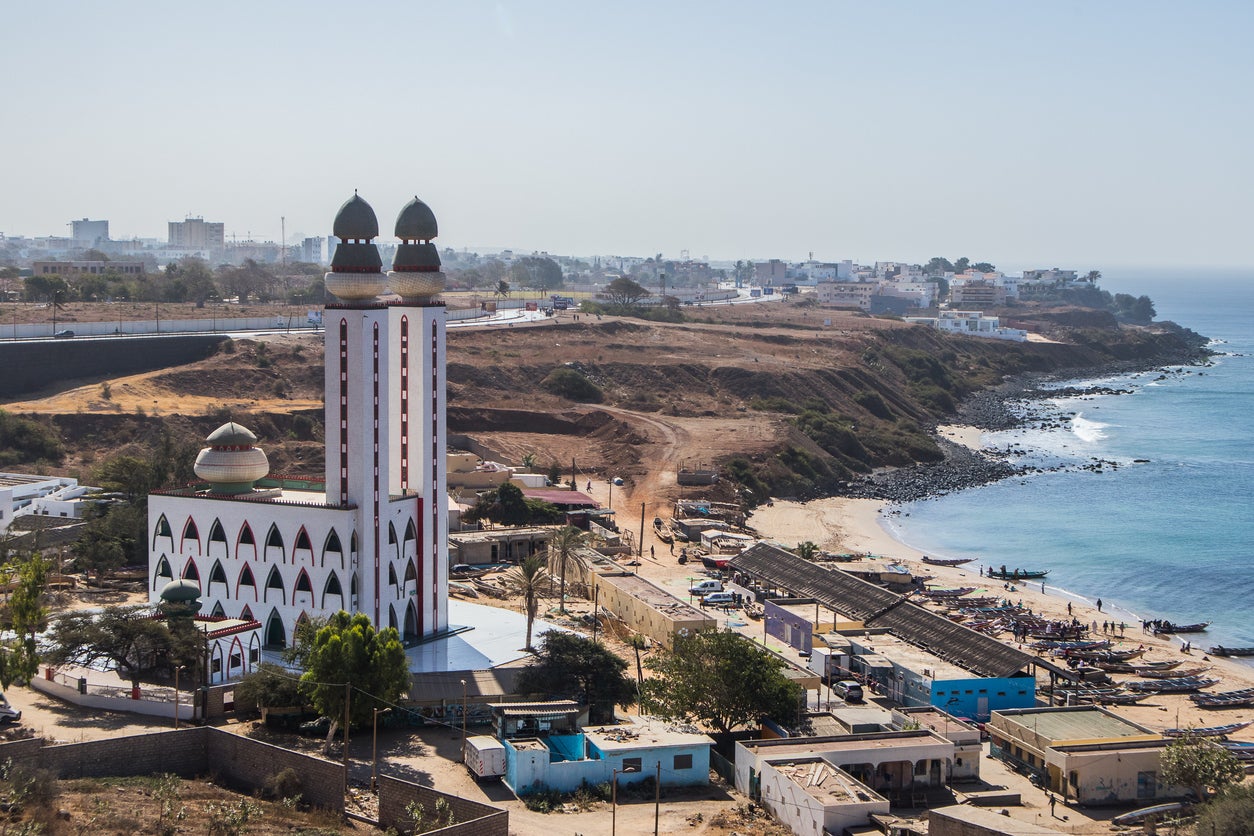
x: 1074, y: 134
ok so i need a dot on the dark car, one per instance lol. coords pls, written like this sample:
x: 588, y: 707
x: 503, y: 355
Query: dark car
x: 64, y: 335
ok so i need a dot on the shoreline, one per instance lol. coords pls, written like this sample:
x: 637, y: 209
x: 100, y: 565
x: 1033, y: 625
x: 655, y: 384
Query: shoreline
x: 844, y: 524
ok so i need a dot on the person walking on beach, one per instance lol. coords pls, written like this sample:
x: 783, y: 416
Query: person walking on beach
x: 1122, y: 627
x: 1068, y: 608
x: 1099, y: 604
x: 1052, y: 801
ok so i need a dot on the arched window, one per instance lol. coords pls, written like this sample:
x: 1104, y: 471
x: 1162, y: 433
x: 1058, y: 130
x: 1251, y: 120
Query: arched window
x: 352, y: 586
x: 217, y: 541
x: 162, y: 529
x: 163, y: 575
x: 246, y: 614
x: 333, y: 549
x: 391, y: 574
x: 303, y: 548
x: 191, y: 535
x: 332, y: 588
x: 392, y: 617
x: 274, y: 545
x: 411, y: 623
x: 246, y: 544
x: 190, y: 572
x: 303, y: 586
x: 409, y: 547
x: 218, y: 612
x: 411, y: 574
x: 217, y: 574
x: 276, y: 636
x: 275, y: 582
x: 246, y: 579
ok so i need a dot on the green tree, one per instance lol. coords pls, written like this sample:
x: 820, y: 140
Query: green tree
x: 131, y: 476
x: 625, y: 292
x: 570, y: 666
x: 349, y: 650
x: 506, y: 505
x: 938, y: 266
x: 806, y: 550
x: 111, y: 538
x: 270, y: 686
x: 961, y: 265
x: 19, y: 658
x: 1197, y: 763
x: 129, y: 638
x: 23, y: 440
x: 502, y: 289
x: 527, y: 580
x: 1231, y: 813
x: 721, y: 679
x: 563, y: 551
x: 537, y: 272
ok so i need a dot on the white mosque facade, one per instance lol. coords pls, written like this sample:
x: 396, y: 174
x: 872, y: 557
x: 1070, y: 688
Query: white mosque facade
x: 371, y: 537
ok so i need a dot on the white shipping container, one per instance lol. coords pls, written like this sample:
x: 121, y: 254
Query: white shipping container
x: 484, y: 756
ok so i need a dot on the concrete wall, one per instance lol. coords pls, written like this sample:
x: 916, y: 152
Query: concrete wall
x: 471, y: 817
x: 645, y: 619
x: 242, y: 763
x: 972, y: 821
x: 32, y: 366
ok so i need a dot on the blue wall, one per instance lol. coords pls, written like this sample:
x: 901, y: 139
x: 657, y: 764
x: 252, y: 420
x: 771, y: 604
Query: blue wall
x: 1001, y: 692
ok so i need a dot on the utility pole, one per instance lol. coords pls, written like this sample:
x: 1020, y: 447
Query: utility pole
x: 574, y: 478
x: 640, y: 545
x: 348, y: 693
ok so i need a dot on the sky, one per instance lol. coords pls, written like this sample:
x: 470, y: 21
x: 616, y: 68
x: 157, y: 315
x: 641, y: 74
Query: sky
x: 1078, y: 134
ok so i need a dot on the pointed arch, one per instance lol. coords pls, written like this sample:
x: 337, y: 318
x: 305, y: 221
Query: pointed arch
x: 303, y: 547
x: 216, y: 663
x: 216, y: 575
x: 302, y: 592
x: 216, y: 544
x: 333, y: 590
x: 353, y: 552
x: 276, y: 634
x: 274, y: 545
x: 164, y: 573
x: 275, y: 581
x: 353, y: 591
x: 245, y: 543
x: 411, y: 624
x: 409, y: 548
x: 191, y: 572
x: 235, y: 665
x: 162, y: 530
x: 411, y: 574
x: 394, y: 547
x: 392, y: 574
x: 254, y: 648
x: 218, y: 611
x: 190, y: 534
x: 392, y: 616
x: 333, y: 549
x: 246, y: 579
x: 246, y: 614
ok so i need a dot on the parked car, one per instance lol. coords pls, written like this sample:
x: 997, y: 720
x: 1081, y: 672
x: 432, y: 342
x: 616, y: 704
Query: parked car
x: 64, y: 335
x: 706, y: 587
x: 8, y: 714
x: 718, y: 599
x: 848, y: 690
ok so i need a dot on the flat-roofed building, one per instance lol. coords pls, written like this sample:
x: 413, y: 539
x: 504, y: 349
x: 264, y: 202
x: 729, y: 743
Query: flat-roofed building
x: 814, y: 798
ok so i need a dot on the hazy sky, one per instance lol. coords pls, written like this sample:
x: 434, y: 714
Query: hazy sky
x: 1083, y: 134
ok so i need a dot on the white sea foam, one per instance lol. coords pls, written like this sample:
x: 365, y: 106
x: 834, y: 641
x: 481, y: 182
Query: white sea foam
x: 1087, y: 430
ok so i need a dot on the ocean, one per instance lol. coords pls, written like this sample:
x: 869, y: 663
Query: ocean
x: 1168, y: 532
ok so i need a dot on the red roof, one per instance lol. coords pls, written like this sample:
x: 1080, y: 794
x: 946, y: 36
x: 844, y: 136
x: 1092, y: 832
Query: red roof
x: 557, y: 496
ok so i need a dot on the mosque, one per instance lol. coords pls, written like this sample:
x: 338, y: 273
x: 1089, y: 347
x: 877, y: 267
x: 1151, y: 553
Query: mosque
x: 267, y: 552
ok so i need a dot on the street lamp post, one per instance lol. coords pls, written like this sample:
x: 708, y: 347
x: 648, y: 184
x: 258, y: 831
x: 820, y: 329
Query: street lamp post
x: 614, y: 798
x: 463, y: 721
x: 374, y: 754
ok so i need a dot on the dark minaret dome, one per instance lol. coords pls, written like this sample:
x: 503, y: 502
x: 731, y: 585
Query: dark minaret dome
x: 416, y: 271
x: 356, y: 268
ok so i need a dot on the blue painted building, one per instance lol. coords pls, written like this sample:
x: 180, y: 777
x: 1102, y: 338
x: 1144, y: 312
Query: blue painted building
x: 914, y: 677
x: 544, y: 749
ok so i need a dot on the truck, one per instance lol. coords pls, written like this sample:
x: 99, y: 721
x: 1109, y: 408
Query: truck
x: 830, y: 665
x: 484, y: 756
x: 561, y: 303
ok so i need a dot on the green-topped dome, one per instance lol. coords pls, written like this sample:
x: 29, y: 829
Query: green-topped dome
x: 231, y: 434
x: 180, y: 591
x: 355, y: 221
x: 416, y: 222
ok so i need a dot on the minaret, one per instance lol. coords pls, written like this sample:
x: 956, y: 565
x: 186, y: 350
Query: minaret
x: 419, y: 431
x: 356, y: 370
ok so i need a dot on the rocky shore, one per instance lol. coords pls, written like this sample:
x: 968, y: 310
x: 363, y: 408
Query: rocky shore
x: 1004, y: 407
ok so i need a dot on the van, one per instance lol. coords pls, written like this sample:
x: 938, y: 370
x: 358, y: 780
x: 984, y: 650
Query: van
x: 718, y: 599
x: 848, y: 690
x: 706, y: 587
x: 8, y: 714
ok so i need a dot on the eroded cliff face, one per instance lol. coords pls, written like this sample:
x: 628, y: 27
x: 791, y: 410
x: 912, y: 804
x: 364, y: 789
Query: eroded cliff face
x: 790, y: 401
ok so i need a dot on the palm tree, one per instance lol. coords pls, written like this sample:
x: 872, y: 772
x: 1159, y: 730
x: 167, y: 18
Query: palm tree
x: 563, y: 550
x: 527, y: 579
x: 807, y: 550
x: 529, y: 461
x: 638, y: 643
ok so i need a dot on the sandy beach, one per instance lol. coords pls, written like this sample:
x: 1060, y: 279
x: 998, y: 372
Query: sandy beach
x: 841, y: 525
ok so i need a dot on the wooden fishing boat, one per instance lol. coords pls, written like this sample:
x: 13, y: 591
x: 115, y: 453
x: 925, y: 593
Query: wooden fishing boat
x: 949, y: 593
x: 1220, y: 650
x: 1017, y: 574
x: 947, y: 561
x: 1130, y: 667
x: 662, y: 531
x: 1169, y: 673
x: 1208, y: 731
x: 1172, y: 686
x: 1107, y: 655
x: 1225, y: 699
x: 1097, y: 644
x: 1168, y: 627
x: 1099, y: 696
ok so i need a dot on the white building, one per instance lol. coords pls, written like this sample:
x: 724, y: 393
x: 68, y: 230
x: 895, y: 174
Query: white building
x: 371, y: 535
x: 47, y: 496
x: 970, y: 323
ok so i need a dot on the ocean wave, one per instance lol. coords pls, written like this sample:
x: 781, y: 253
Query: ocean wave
x: 1088, y: 430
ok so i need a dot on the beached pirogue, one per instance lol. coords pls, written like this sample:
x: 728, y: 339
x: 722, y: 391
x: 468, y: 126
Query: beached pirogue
x: 1017, y: 574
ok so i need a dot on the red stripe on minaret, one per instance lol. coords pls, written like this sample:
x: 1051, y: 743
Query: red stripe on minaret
x: 343, y: 411
x: 404, y: 404
x: 375, y: 500
x: 436, y: 454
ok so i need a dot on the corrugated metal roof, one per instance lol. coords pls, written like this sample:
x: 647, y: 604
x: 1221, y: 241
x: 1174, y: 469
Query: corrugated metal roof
x: 556, y: 708
x: 877, y: 607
